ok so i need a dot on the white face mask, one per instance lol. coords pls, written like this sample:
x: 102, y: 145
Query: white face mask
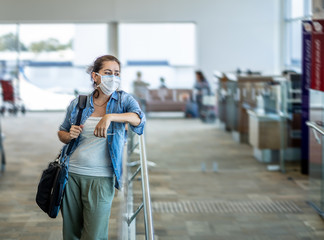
x: 109, y: 83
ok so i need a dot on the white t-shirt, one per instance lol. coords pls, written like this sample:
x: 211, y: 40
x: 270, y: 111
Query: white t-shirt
x: 91, y: 157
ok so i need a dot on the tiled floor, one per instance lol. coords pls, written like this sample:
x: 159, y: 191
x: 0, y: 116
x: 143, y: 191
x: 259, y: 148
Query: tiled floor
x: 186, y: 153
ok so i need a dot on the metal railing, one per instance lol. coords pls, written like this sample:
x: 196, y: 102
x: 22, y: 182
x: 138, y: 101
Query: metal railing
x: 128, y: 227
x: 317, y: 129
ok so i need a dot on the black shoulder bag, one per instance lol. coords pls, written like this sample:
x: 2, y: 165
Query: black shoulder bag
x: 53, y: 180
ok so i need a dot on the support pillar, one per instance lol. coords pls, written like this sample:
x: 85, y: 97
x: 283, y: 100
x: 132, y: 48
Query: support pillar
x: 113, y: 39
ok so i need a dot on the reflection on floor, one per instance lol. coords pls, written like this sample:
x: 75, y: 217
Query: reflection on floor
x: 205, y: 186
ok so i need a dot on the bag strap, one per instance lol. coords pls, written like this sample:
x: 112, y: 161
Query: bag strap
x: 81, y: 104
x: 116, y: 108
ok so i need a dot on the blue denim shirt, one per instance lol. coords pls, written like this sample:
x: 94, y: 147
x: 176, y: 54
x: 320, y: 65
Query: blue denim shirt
x: 119, y: 102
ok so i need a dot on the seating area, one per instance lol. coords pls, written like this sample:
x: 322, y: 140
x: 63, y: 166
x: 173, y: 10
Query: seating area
x: 167, y: 100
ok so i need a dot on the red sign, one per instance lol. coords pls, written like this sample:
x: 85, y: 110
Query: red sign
x: 317, y: 82
x: 7, y: 91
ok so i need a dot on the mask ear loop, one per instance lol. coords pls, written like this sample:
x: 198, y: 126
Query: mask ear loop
x: 95, y: 83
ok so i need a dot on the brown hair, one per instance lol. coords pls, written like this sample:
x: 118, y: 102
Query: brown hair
x: 97, y: 65
x: 201, y: 76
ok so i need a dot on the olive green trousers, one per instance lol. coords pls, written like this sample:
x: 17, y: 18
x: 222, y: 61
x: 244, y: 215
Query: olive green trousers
x: 86, y: 207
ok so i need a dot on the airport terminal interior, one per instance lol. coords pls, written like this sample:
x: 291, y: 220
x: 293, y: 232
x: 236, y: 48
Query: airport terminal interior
x: 233, y: 96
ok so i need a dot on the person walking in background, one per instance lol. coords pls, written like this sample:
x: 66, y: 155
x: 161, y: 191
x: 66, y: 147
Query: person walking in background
x: 95, y: 165
x: 201, y: 88
x: 140, y: 89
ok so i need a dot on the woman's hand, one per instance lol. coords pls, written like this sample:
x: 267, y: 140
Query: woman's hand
x: 102, y: 126
x: 75, y: 131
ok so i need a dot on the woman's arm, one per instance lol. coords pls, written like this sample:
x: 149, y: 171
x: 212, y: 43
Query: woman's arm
x: 104, y: 123
x: 129, y: 117
x: 66, y: 137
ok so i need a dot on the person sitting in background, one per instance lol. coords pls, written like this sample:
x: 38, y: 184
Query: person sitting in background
x: 162, y: 83
x: 140, y: 89
x: 162, y: 91
x: 201, y: 88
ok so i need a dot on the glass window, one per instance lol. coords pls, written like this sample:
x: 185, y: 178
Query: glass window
x: 50, y: 61
x: 164, y: 50
x: 296, y: 43
x: 297, y: 8
x: 296, y: 11
x: 8, y: 51
x: 58, y: 54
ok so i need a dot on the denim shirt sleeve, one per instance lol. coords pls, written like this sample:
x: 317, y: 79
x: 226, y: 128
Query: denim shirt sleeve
x: 66, y: 125
x: 131, y: 105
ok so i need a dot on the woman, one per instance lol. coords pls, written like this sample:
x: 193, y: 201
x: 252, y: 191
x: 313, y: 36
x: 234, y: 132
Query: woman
x: 95, y: 165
